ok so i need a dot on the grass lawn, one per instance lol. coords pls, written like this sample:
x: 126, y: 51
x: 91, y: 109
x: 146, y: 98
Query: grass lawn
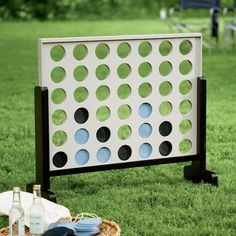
x: 147, y: 201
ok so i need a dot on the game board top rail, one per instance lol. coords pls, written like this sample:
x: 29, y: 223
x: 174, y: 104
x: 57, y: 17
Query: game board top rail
x: 117, y: 38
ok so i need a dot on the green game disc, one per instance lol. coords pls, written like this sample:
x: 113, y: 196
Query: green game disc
x: 124, y: 132
x: 103, y: 113
x: 124, y: 111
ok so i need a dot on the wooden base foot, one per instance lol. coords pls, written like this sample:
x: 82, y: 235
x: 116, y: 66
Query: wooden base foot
x: 205, y: 176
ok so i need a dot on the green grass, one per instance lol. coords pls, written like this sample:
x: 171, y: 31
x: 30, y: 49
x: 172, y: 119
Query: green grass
x: 143, y: 201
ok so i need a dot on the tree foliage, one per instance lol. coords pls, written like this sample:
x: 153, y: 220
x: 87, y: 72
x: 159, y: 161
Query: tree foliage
x: 84, y: 9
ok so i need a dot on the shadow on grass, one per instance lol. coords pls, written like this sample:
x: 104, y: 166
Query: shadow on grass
x: 140, y: 178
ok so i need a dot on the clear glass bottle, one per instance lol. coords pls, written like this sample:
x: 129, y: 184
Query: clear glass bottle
x: 16, y: 215
x: 37, y: 212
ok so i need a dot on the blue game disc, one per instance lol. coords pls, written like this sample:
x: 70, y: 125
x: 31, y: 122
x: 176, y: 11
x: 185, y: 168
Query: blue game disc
x: 103, y: 154
x: 87, y: 233
x: 82, y: 157
x: 91, y: 227
x: 145, y: 150
x: 69, y: 225
x: 145, y: 110
x: 90, y: 222
x: 145, y: 130
x: 81, y: 136
x: 88, y: 229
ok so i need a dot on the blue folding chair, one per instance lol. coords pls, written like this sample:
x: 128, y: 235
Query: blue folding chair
x: 229, y: 14
x: 212, y: 27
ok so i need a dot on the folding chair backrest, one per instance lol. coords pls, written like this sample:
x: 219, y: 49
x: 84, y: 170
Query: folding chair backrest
x: 205, y: 4
x: 200, y: 3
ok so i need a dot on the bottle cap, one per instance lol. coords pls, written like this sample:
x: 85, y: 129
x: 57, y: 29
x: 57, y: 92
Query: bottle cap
x: 16, y: 189
x: 37, y: 186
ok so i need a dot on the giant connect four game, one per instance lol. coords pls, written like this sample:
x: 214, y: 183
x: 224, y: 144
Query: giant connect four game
x: 119, y: 101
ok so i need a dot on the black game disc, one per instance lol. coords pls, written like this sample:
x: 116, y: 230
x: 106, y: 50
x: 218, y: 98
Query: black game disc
x: 165, y: 128
x: 59, y: 159
x: 124, y: 152
x: 103, y: 134
x: 81, y: 115
x: 165, y: 148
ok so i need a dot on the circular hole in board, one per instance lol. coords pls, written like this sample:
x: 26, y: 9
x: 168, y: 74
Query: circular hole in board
x: 165, y: 88
x: 102, y: 50
x: 123, y: 50
x: 165, y: 48
x: 59, y: 159
x: 57, y: 53
x: 81, y: 115
x: 144, y: 69
x: 165, y: 108
x: 124, y: 91
x: 185, y: 87
x: 58, y: 96
x: 124, y: 111
x: 81, y: 94
x: 185, y: 67
x: 185, y: 107
x: 165, y: 68
x: 145, y: 89
x: 82, y: 136
x: 145, y: 130
x: 102, y: 92
x: 144, y: 49
x: 123, y: 70
x: 59, y: 117
x: 80, y: 52
x: 185, y: 47
x: 185, y: 126
x: 124, y: 152
x: 103, y: 113
x: 59, y: 138
x: 165, y: 148
x: 145, y: 150
x: 102, y: 72
x: 82, y: 157
x: 58, y: 74
x: 145, y: 110
x: 80, y: 73
x: 124, y: 132
x: 103, y: 134
x: 103, y: 154
x: 165, y: 128
x: 185, y: 146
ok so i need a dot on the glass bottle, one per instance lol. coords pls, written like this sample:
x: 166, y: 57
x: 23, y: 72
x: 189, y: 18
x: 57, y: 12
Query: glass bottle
x: 37, y: 213
x: 163, y: 14
x: 16, y: 215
